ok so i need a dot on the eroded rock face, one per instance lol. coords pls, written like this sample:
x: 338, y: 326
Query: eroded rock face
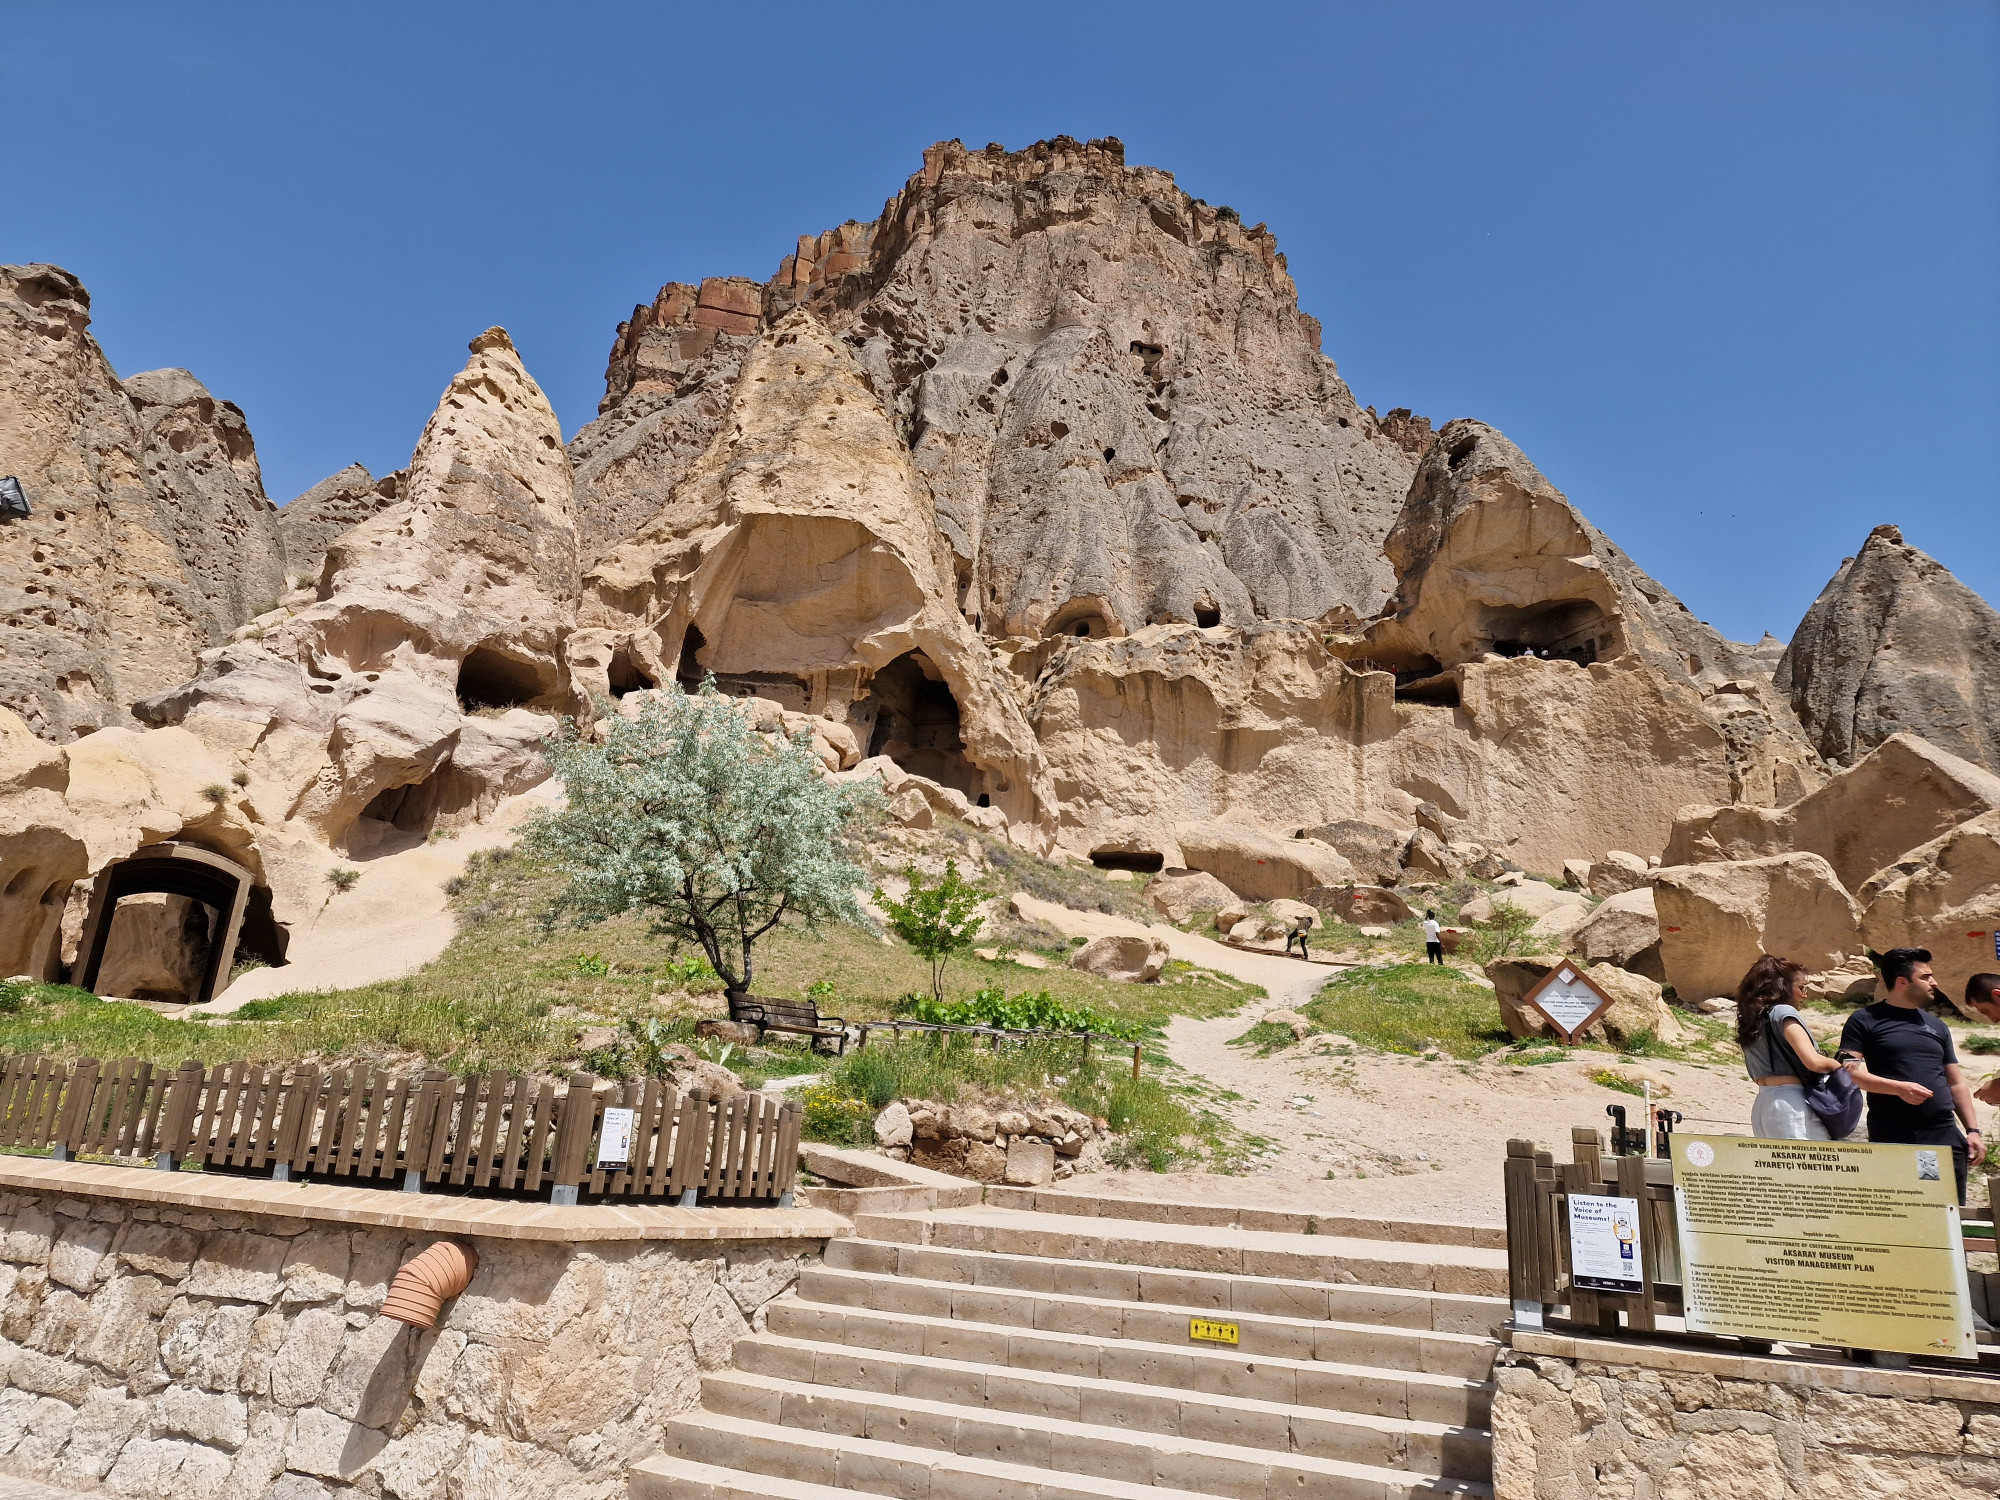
x: 1944, y: 896
x: 151, y: 536
x: 337, y: 504
x: 1895, y: 644
x: 1717, y: 919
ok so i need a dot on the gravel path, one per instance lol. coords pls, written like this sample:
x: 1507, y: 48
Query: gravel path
x: 1401, y: 1137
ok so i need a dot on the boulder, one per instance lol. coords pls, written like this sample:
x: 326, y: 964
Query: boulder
x: 1851, y: 983
x: 1557, y: 913
x: 1376, y: 853
x: 1359, y: 904
x: 1258, y: 865
x: 1617, y: 873
x: 1576, y: 874
x: 1229, y: 914
x: 1029, y: 1163
x: 1896, y: 644
x: 1427, y: 853
x: 1179, y: 894
x: 1131, y: 957
x: 1431, y: 818
x: 1944, y: 896
x: 1294, y: 911
x: 1453, y: 939
x: 1902, y: 795
x: 718, y: 1029
x: 1717, y: 919
x: 1625, y: 931
x: 1638, y: 1005
x: 1298, y: 1025
x: 892, y: 1125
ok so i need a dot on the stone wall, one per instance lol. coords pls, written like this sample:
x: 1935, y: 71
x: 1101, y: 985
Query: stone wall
x: 171, y: 1351
x: 1578, y: 1419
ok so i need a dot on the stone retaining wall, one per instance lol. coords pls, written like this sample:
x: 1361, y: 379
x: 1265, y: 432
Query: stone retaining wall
x: 1579, y: 1419
x: 169, y: 1351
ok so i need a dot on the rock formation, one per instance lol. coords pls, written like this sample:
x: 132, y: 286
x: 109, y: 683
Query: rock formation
x: 150, y: 537
x: 338, y: 503
x: 1895, y: 644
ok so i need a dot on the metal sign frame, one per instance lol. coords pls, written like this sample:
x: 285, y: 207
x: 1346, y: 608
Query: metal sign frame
x: 1533, y: 998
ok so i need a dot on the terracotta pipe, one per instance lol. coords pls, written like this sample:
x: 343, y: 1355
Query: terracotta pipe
x: 426, y: 1283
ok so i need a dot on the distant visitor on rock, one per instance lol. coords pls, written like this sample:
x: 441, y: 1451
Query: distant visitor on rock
x: 1433, y: 938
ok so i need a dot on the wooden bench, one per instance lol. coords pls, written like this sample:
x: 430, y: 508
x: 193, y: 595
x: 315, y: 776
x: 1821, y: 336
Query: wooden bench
x: 800, y: 1016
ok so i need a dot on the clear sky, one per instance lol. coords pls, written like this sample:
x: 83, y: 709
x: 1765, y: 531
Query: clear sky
x: 1728, y: 273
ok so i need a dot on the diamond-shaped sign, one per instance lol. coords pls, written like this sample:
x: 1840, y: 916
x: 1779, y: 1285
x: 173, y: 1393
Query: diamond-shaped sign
x: 1568, y: 1000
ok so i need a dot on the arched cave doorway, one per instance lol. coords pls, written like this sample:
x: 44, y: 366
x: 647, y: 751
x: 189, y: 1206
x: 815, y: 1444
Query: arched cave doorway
x: 915, y: 723
x: 690, y: 670
x: 194, y: 934
x: 1561, y: 630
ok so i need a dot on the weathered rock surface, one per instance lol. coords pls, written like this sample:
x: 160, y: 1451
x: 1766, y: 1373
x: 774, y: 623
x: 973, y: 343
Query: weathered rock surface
x: 340, y: 502
x: 1179, y: 894
x: 1717, y: 919
x: 1944, y: 896
x: 151, y: 537
x: 1360, y: 904
x: 1618, y: 872
x: 1375, y: 852
x: 1130, y: 957
x: 1896, y: 645
x: 1258, y: 865
x: 1624, y: 930
x: 1901, y: 795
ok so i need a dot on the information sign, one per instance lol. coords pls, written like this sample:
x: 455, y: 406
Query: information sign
x: 614, y: 1141
x: 1604, y: 1254
x: 1826, y: 1242
x: 1568, y: 1000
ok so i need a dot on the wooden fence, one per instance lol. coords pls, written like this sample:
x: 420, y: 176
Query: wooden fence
x: 1538, y: 1270
x: 495, y: 1132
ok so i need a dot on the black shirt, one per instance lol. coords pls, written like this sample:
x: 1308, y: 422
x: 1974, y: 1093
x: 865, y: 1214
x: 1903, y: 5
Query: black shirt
x: 1912, y: 1045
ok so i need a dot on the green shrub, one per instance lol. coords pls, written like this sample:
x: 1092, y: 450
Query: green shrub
x: 1505, y: 933
x: 216, y: 792
x: 1037, y: 1011
x: 836, y: 1117
x: 1606, y: 1078
x: 1411, y: 1008
x: 589, y: 966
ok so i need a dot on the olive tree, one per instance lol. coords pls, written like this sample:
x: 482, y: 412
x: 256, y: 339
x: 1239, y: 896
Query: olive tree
x: 716, y: 832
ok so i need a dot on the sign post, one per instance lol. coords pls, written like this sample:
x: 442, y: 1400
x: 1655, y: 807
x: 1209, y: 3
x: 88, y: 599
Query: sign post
x: 1825, y: 1242
x: 1568, y: 1000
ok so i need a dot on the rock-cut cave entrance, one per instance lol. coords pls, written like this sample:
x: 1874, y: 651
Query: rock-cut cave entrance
x: 184, y: 949
x: 1560, y: 630
x: 916, y: 724
x: 488, y: 678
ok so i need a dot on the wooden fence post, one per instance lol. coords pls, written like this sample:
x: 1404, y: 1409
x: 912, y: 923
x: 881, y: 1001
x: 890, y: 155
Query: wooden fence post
x: 177, y: 1125
x: 1524, y: 1235
x: 573, y: 1128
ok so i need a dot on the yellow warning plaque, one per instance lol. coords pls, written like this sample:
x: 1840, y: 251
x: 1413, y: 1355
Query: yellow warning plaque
x: 1211, y: 1332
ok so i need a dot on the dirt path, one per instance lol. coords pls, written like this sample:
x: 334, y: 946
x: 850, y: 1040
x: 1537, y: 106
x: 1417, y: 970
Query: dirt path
x: 1401, y: 1137
x: 395, y: 920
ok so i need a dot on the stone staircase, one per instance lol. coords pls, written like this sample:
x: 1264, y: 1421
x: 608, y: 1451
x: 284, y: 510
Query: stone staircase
x: 992, y: 1352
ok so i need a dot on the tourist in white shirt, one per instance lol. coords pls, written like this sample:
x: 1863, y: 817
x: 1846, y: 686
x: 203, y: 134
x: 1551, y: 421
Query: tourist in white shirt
x: 1433, y: 940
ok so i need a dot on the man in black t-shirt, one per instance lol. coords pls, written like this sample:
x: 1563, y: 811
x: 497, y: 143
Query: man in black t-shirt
x: 1905, y: 1062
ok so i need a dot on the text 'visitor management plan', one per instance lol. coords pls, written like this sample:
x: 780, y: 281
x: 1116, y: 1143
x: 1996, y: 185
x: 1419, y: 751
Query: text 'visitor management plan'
x: 1827, y: 1242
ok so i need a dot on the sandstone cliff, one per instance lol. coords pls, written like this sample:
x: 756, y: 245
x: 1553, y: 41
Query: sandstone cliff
x: 151, y: 537
x: 1896, y: 644
x: 310, y: 522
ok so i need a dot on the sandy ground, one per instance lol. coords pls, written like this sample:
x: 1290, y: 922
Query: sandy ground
x: 1403, y: 1138
x: 395, y: 920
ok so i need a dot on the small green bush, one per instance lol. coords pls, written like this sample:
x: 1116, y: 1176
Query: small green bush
x: 240, y: 778
x: 1606, y: 1078
x: 342, y: 880
x: 216, y: 792
x: 836, y: 1117
x: 589, y: 966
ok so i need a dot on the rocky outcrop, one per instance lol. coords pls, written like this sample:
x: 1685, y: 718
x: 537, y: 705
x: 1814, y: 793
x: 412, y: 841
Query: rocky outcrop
x: 1638, y: 1007
x: 1132, y: 957
x: 800, y: 561
x: 407, y: 695
x: 1716, y: 919
x: 1944, y: 896
x: 151, y: 537
x: 1179, y: 894
x: 1895, y: 644
x: 337, y: 504
x: 1623, y: 930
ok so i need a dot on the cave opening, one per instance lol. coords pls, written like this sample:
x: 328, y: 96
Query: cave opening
x: 1426, y: 681
x: 689, y: 672
x: 1138, y: 861
x: 1573, y: 630
x: 488, y: 678
x: 415, y: 807
x: 626, y: 675
x: 1207, y: 618
x: 916, y: 724
x: 167, y: 922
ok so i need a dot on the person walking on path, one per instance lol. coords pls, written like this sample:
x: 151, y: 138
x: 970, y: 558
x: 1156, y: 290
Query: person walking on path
x: 1433, y: 939
x: 1905, y: 1062
x: 1778, y: 1052
x: 1296, y: 929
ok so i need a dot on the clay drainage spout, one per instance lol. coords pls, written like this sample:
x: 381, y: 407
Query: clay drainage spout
x: 424, y: 1285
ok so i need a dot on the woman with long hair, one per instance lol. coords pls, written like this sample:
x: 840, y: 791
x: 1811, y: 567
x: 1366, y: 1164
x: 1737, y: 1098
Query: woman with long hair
x: 1778, y: 1051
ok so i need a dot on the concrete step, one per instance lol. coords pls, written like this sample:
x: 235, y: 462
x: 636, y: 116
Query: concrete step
x: 1467, y: 1270
x: 668, y: 1476
x: 1210, y: 1291
x: 1150, y: 1402
x: 1091, y: 1202
x: 1369, y: 1384
x: 978, y: 1456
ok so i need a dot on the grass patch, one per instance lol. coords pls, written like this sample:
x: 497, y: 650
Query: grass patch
x: 1266, y: 1037
x: 1610, y: 1079
x: 1411, y: 1008
x: 1534, y: 1059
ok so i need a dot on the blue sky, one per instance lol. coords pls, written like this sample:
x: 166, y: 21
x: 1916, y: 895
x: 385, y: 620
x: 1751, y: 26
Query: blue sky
x: 1730, y: 274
